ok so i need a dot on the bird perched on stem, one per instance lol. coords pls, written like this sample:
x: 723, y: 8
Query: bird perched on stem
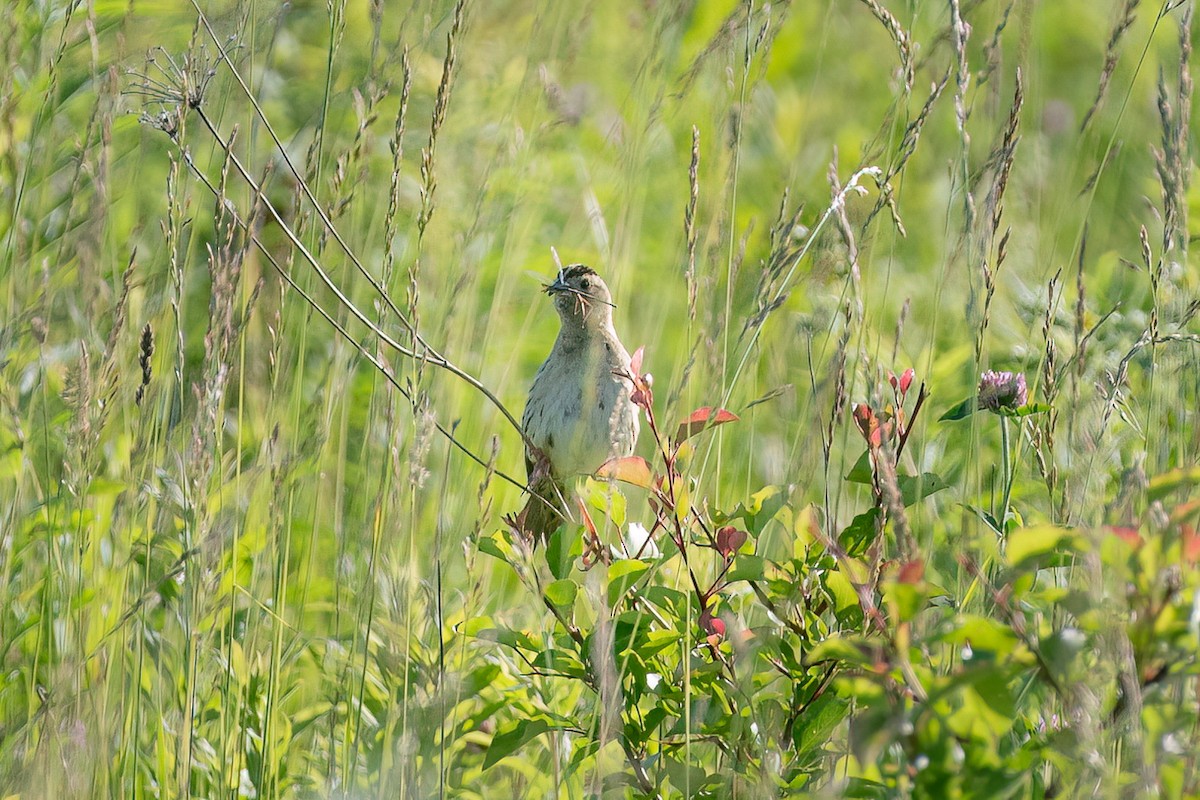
x: 579, y: 413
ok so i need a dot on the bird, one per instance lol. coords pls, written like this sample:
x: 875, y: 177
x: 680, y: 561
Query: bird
x: 579, y: 413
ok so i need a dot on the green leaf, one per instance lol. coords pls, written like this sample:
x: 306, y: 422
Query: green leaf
x: 746, y: 568
x: 873, y: 728
x: 657, y: 641
x: 1060, y: 648
x: 607, y: 499
x: 861, y: 472
x: 473, y: 625
x: 621, y: 576
x: 1025, y: 410
x: 985, y: 635
x: 584, y: 751
x: 479, y: 679
x: 813, y: 729
x: 564, y: 546
x: 671, y: 600
x: 511, y: 737
x: 969, y: 406
x: 856, y: 536
x: 865, y: 789
x: 995, y: 706
x: 986, y: 516
x: 985, y: 706
x: 483, y: 628
x: 904, y: 599
x: 845, y: 598
x: 1029, y: 545
x: 914, y: 488
x: 1168, y: 482
x: 761, y: 508
x: 561, y: 594
x: 490, y: 546
x: 684, y: 776
x: 562, y: 661
x: 961, y: 411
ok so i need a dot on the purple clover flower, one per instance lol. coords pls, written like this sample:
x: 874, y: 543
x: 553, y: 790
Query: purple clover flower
x: 1002, y: 390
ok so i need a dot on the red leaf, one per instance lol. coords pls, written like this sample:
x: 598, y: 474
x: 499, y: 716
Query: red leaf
x: 868, y: 424
x: 1129, y: 535
x: 701, y: 418
x: 911, y: 572
x: 906, y: 380
x: 634, y: 470
x: 587, y: 518
x: 641, y: 396
x: 714, y: 626
x: 635, y: 362
x: 730, y: 540
x: 1191, y: 544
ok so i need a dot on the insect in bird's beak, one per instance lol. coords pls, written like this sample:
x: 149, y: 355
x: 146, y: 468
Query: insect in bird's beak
x: 560, y: 286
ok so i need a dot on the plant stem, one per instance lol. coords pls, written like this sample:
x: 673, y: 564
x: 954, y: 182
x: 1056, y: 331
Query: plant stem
x: 1006, y: 474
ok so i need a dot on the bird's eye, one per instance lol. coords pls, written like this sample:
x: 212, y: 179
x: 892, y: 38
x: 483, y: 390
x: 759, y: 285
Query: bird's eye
x: 585, y: 284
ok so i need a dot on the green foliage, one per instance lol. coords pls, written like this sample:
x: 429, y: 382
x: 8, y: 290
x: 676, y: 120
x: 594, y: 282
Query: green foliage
x: 249, y: 547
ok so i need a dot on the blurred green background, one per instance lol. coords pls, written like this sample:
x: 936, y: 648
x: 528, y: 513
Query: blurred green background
x: 247, y: 579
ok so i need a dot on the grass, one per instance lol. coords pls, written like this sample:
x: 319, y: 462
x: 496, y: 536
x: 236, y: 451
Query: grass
x: 251, y: 547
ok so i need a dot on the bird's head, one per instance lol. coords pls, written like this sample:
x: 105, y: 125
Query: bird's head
x: 581, y: 297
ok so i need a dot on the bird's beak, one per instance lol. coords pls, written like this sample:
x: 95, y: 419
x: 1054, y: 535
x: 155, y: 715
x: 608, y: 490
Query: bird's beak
x: 558, y: 286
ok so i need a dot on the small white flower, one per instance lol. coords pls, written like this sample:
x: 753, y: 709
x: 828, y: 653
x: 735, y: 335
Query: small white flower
x: 638, y: 540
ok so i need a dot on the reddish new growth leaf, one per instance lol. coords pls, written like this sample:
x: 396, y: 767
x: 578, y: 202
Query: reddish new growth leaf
x: 702, y: 418
x: 641, y: 396
x: 587, y: 518
x: 713, y: 626
x: 593, y: 549
x: 633, y: 470
x: 868, y: 424
x: 1191, y: 544
x: 730, y: 540
x: 911, y: 572
x: 1129, y: 535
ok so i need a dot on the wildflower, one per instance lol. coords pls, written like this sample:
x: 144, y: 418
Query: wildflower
x: 1002, y: 390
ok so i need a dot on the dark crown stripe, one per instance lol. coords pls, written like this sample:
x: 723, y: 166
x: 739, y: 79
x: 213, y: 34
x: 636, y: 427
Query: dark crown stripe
x: 576, y: 271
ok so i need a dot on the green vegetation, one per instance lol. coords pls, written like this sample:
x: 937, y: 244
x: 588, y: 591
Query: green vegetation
x: 251, y: 547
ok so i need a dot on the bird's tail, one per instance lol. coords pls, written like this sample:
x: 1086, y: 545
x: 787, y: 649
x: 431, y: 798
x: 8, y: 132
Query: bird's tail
x: 545, y: 509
